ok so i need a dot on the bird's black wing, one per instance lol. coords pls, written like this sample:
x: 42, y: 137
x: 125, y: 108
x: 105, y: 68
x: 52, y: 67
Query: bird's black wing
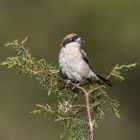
x: 85, y: 57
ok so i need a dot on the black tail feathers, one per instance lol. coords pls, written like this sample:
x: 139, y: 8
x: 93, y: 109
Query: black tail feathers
x: 105, y: 80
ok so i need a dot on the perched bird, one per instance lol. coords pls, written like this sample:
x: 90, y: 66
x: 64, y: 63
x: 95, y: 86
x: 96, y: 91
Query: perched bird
x: 73, y: 61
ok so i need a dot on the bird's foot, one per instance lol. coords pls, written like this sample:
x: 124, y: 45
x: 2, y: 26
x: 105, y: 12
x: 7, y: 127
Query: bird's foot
x: 67, y: 81
x: 75, y: 85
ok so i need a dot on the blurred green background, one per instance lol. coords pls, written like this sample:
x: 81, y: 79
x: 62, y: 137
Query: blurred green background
x: 111, y: 29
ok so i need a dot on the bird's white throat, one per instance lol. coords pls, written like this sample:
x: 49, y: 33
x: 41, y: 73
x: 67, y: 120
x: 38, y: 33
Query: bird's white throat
x: 74, y: 44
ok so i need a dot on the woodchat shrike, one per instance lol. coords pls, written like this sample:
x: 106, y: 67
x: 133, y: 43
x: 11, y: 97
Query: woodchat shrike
x: 73, y: 61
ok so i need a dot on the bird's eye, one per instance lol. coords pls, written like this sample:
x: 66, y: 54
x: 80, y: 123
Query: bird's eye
x: 74, y: 38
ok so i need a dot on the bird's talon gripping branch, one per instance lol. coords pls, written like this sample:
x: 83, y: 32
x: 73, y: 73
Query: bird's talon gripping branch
x: 76, y: 85
x: 67, y: 83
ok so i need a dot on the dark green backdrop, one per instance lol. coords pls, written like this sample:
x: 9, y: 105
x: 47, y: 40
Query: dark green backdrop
x: 111, y: 29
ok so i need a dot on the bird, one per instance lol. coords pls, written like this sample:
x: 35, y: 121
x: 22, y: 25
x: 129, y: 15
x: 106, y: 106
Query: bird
x: 74, y: 63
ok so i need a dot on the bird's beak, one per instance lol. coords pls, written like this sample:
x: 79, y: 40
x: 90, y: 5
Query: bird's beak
x: 80, y: 40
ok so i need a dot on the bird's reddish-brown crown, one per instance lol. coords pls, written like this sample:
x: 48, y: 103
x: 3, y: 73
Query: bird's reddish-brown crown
x: 69, y: 36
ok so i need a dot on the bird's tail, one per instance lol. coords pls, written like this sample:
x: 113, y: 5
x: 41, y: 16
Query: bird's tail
x: 105, y: 80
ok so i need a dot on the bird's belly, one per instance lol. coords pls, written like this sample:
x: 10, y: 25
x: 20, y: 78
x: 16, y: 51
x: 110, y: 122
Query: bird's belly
x: 74, y: 68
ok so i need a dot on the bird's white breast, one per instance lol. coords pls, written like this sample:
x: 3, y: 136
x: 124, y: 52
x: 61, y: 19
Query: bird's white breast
x: 72, y: 64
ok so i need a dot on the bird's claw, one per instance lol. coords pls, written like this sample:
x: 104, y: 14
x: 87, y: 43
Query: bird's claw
x: 72, y: 85
x: 76, y: 85
x: 67, y: 83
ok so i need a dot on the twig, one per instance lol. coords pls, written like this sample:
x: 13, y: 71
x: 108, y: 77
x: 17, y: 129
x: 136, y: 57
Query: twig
x: 96, y: 88
x: 111, y: 73
x: 87, y: 97
x: 88, y: 107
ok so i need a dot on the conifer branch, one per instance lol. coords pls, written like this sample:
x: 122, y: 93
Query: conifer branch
x: 69, y: 109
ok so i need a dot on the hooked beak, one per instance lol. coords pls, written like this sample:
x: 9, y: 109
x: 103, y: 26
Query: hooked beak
x: 81, y: 41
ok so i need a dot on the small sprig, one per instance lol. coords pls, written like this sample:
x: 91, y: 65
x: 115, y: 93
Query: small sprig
x: 78, y: 108
x: 42, y: 108
x: 118, y: 69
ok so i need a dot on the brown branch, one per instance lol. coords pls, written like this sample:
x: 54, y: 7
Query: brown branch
x: 96, y: 88
x: 88, y: 107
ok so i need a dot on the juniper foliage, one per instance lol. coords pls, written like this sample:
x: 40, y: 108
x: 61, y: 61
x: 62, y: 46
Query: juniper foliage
x: 70, y: 107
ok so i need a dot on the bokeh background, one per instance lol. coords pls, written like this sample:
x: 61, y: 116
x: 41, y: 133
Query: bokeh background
x: 111, y: 29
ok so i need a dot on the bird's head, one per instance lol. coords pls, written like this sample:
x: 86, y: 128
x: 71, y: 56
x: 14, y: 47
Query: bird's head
x: 72, y: 38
